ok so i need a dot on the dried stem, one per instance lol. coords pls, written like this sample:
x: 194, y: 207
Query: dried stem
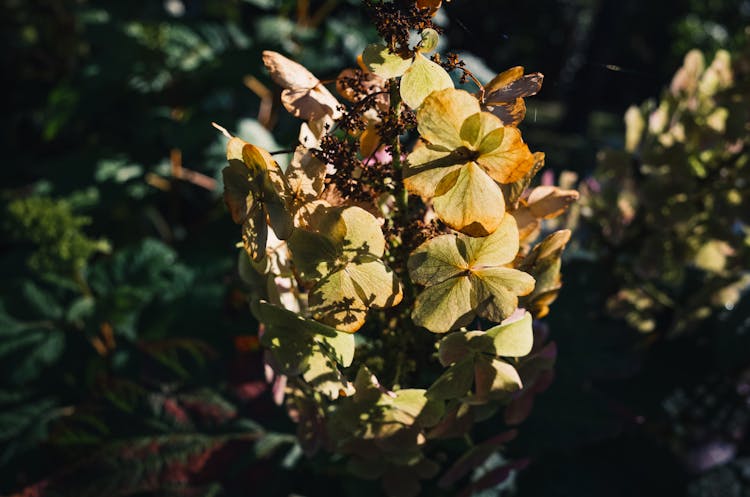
x: 402, y: 196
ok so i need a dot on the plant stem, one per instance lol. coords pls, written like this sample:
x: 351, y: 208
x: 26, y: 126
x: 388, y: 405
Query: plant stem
x: 80, y: 280
x: 402, y: 196
x: 401, y: 219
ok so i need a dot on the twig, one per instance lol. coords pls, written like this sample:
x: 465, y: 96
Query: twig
x: 303, y: 12
x: 322, y: 13
x: 265, y: 112
x: 222, y: 129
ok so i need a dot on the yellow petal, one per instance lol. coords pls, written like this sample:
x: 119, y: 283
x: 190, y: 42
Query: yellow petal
x: 422, y: 78
x: 468, y: 200
x: 511, y: 160
x: 425, y: 168
x: 442, y: 114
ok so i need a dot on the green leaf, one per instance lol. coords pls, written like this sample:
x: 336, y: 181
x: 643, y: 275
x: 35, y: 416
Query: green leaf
x: 295, y: 340
x: 468, y: 200
x: 493, y: 378
x: 502, y: 245
x: 240, y: 182
x: 323, y: 375
x: 415, y: 403
x: 457, y: 346
x: 430, y: 39
x: 422, y: 78
x: 255, y: 233
x: 81, y: 309
x: 136, y: 277
x: 504, y: 155
x: 354, y: 230
x: 335, y: 236
x: 341, y: 347
x: 437, y: 261
x: 290, y: 348
x: 394, y: 419
x: 305, y: 175
x: 426, y: 167
x: 453, y: 348
x: 253, y: 189
x: 471, y: 359
x: 376, y: 284
x: 279, y: 218
x: 344, y: 254
x: 341, y: 298
x: 334, y: 301
x: 27, y: 348
x: 499, y: 289
x: 272, y: 187
x: 467, y: 280
x: 41, y: 302
x: 367, y: 387
x: 442, y: 115
x: 513, y: 339
x: 468, y: 152
x: 482, y: 132
x: 59, y: 246
x: 25, y: 424
x: 277, y: 317
x: 445, y: 306
x: 313, y: 253
x: 455, y: 382
x: 410, y: 401
x: 382, y: 62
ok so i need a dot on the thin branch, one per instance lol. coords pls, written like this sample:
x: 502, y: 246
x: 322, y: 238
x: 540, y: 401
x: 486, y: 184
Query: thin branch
x: 222, y: 129
x: 322, y: 13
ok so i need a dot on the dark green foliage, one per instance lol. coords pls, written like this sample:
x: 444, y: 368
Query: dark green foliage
x: 671, y: 260
x: 120, y: 368
x: 135, y: 372
x: 59, y: 245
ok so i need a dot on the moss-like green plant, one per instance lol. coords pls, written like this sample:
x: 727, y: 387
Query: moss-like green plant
x: 60, y: 245
x: 336, y: 245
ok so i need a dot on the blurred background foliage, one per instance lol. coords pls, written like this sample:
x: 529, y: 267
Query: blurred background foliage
x: 130, y: 365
